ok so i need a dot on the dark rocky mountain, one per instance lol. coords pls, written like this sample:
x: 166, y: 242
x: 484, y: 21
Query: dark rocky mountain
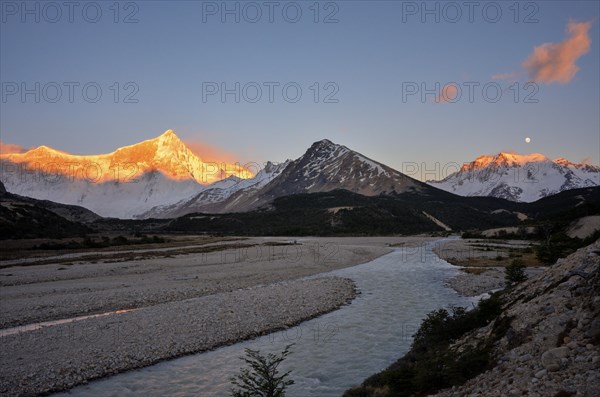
x: 324, y: 167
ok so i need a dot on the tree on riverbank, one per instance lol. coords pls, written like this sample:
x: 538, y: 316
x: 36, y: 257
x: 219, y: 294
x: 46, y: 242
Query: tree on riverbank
x: 262, y: 377
x: 515, y: 272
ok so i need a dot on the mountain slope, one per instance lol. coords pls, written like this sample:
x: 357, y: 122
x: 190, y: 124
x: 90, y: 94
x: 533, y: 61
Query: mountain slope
x: 24, y: 217
x: 211, y: 198
x: 324, y: 167
x: 518, y: 177
x: 124, y: 183
x: 341, y: 212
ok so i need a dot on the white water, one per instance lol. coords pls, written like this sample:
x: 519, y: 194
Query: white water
x: 332, y: 352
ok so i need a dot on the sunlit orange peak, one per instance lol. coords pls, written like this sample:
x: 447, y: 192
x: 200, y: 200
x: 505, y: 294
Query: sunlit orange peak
x: 166, y: 154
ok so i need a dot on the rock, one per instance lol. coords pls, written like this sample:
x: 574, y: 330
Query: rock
x: 541, y: 373
x: 525, y: 357
x: 572, y: 345
x: 561, y: 352
x: 553, y: 367
x: 549, y: 309
x: 551, y: 359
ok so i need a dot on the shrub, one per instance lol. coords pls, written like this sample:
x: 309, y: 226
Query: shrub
x: 262, y: 378
x: 431, y: 364
x: 120, y: 240
x: 515, y: 272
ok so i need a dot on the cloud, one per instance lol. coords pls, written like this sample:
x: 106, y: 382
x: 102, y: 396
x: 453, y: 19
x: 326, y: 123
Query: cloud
x: 8, y: 148
x: 555, y: 62
x: 449, y: 93
x: 587, y: 161
x: 208, y: 153
x: 504, y: 76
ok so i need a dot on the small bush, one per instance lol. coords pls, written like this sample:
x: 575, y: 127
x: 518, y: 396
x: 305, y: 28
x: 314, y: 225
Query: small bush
x: 563, y: 393
x: 515, y: 272
x: 262, y: 378
x: 431, y: 364
x: 120, y: 240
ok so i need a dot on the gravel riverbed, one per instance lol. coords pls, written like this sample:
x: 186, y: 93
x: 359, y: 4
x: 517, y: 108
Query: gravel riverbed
x: 62, y: 356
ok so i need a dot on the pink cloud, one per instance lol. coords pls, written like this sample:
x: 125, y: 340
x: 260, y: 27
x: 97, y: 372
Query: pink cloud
x: 448, y: 93
x: 504, y: 76
x: 7, y: 148
x: 555, y: 62
x: 208, y: 153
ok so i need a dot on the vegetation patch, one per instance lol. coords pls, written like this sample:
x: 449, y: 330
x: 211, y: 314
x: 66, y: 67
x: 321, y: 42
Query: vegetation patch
x: 103, y: 242
x: 475, y: 270
x: 432, y: 364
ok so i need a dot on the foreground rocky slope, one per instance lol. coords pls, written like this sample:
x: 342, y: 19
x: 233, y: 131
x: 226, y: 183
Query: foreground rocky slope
x: 553, y: 343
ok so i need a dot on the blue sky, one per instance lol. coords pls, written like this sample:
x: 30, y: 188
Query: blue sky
x: 373, y: 50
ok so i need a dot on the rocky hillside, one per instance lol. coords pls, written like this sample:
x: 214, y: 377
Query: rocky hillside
x: 553, y: 343
x: 24, y: 217
x: 324, y: 167
x: 539, y: 339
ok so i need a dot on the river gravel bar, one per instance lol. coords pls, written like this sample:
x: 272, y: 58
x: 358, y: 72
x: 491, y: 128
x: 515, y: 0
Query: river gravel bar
x: 61, y: 356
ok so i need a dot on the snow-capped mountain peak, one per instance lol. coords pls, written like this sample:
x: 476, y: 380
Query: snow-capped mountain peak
x: 503, y: 159
x: 325, y: 166
x: 124, y: 183
x: 518, y: 177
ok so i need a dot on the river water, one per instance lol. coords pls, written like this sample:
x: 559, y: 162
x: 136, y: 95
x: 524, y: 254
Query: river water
x: 332, y: 352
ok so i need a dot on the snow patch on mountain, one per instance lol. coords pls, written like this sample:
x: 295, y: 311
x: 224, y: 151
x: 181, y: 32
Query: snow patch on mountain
x: 216, y: 193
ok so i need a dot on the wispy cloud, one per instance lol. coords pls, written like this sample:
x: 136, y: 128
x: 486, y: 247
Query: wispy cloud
x: 8, y: 148
x: 448, y: 93
x: 208, y: 153
x: 555, y: 62
x: 505, y: 76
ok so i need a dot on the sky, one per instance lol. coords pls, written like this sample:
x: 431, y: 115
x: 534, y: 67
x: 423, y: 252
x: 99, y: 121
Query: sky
x: 406, y: 83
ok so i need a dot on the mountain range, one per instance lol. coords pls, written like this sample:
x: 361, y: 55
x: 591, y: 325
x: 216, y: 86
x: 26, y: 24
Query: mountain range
x: 162, y: 178
x: 324, y: 167
x: 518, y: 177
x: 129, y: 181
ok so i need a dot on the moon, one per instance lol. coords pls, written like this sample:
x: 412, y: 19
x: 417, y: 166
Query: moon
x: 527, y: 140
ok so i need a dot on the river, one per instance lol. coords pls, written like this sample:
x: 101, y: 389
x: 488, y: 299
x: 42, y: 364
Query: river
x: 332, y: 352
